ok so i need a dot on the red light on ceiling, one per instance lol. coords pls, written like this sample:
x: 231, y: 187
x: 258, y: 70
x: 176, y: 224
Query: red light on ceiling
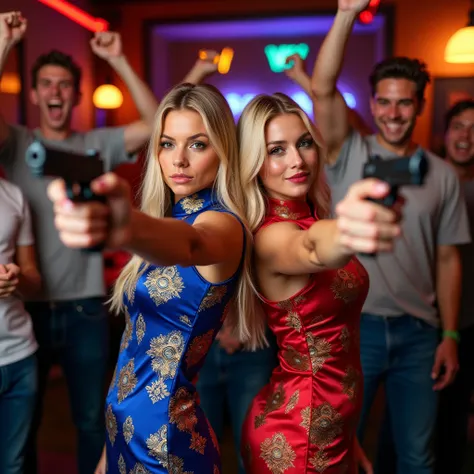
x: 366, y: 17
x: 76, y: 14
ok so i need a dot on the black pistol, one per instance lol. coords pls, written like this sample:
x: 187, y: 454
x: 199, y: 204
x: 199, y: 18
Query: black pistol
x: 396, y: 172
x: 75, y: 169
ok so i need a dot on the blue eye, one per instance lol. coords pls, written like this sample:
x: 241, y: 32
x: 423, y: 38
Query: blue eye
x: 307, y: 143
x: 166, y: 144
x: 199, y: 145
x: 276, y: 151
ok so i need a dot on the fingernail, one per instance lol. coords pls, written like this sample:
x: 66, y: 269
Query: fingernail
x: 381, y: 187
x: 67, y: 204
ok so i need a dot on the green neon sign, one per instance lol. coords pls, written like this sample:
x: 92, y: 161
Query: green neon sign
x: 277, y: 54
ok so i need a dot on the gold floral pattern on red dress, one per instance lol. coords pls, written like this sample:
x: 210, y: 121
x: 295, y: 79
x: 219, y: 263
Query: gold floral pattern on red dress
x: 111, y: 424
x: 350, y: 382
x: 128, y: 429
x: 140, y: 328
x: 296, y: 360
x: 166, y: 352
x: 127, y: 381
x: 345, y: 339
x: 182, y: 410
x: 164, y: 284
x: 319, y: 351
x: 277, y: 453
x: 275, y: 400
x: 198, y: 442
x: 345, y: 286
x: 157, y: 445
x: 214, y: 296
x: 121, y: 465
x: 293, y: 320
x: 323, y: 423
x: 191, y: 204
x: 320, y: 461
x: 176, y: 465
x: 128, y: 331
x: 285, y: 212
x: 158, y: 390
x: 198, y: 348
x: 292, y: 402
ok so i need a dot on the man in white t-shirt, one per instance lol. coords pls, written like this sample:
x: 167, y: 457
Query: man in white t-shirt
x: 18, y: 277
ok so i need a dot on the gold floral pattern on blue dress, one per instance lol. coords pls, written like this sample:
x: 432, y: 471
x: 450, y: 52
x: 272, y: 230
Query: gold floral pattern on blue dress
x: 140, y: 328
x: 127, y: 381
x: 164, y: 284
x: 157, y: 444
x: 166, y: 352
x: 128, y: 429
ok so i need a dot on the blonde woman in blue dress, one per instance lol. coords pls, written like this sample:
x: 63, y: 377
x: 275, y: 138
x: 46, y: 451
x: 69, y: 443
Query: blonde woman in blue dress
x: 186, y: 270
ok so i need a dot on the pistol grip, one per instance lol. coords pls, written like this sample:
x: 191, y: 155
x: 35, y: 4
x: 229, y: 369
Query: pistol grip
x: 388, y: 201
x: 81, y: 192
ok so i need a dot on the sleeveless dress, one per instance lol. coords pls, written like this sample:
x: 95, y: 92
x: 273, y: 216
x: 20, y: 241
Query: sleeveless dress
x: 305, y: 419
x: 153, y: 419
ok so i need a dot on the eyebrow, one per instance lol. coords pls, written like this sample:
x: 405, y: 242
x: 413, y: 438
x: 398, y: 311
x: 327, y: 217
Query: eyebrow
x: 192, y: 137
x: 281, y: 142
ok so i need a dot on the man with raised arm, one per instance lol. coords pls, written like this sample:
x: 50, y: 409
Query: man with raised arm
x: 416, y: 289
x: 69, y: 317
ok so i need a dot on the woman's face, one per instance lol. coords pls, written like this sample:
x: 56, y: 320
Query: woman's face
x: 290, y: 166
x: 187, y: 159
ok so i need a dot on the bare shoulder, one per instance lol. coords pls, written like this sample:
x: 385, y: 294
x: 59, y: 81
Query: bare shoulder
x: 271, y: 239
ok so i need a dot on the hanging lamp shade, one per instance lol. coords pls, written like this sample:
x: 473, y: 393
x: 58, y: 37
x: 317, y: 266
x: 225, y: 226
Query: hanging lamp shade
x: 107, y: 96
x: 460, y: 47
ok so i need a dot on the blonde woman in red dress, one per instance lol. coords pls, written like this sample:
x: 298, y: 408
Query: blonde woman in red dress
x: 312, y: 288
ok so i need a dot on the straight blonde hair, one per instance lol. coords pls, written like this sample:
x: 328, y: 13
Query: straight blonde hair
x: 156, y: 198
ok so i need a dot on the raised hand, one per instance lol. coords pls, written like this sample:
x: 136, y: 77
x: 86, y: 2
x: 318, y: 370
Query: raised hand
x: 107, y: 45
x: 12, y: 27
x: 355, y: 6
x: 297, y: 71
x: 207, y: 65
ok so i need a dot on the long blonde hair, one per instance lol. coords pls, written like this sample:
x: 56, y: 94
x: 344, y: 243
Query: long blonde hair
x: 253, y: 151
x: 156, y: 199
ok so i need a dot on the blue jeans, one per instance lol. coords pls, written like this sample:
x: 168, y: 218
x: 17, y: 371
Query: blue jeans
x: 18, y: 385
x: 74, y: 333
x: 233, y: 381
x: 400, y: 353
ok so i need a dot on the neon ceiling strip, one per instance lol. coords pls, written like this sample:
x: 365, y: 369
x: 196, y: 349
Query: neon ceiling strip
x: 76, y: 14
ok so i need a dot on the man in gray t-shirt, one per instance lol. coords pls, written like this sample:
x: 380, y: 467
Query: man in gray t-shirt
x: 455, y: 400
x: 69, y: 318
x: 415, y: 288
x: 19, y: 277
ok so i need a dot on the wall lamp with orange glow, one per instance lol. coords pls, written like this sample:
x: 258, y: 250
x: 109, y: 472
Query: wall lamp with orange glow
x: 223, y: 60
x: 76, y: 14
x: 10, y: 83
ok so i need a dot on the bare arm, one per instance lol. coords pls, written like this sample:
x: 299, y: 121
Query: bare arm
x: 215, y: 240
x: 448, y: 285
x: 108, y: 46
x: 331, y: 111
x: 12, y: 29
x: 29, y: 281
x: 448, y: 289
x: 202, y: 68
x: 361, y: 226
